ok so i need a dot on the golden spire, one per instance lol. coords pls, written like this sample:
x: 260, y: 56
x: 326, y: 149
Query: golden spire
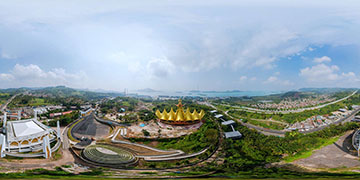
x: 164, y: 115
x: 188, y: 116
x: 202, y: 114
x: 171, y: 114
x: 195, y: 114
x: 180, y: 104
x: 158, y: 113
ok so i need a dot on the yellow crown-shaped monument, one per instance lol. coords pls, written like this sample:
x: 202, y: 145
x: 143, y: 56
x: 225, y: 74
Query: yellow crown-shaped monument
x: 180, y: 117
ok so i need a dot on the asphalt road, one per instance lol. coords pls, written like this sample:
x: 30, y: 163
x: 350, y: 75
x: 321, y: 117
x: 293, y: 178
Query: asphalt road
x: 3, y: 107
x: 342, y: 120
x: 282, y: 133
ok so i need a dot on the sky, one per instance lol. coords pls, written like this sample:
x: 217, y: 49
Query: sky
x: 255, y: 45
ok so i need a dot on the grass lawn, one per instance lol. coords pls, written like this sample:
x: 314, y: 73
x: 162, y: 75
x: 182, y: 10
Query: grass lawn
x: 125, y: 103
x: 38, y: 102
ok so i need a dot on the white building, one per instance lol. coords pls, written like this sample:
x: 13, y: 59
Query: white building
x: 28, y: 135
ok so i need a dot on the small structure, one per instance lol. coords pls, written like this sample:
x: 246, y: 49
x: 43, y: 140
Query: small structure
x: 60, y: 113
x: 86, y: 112
x: 58, y: 129
x: 356, y: 141
x: 2, y: 145
x: 227, y: 123
x: 343, y: 110
x: 46, y: 147
x: 218, y: 115
x: 5, y: 119
x: 233, y: 135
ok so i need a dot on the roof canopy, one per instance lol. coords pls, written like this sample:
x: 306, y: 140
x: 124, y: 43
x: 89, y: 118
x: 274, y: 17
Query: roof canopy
x: 26, y: 128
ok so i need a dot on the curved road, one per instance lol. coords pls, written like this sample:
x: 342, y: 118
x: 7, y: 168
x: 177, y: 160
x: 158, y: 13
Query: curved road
x: 292, y: 111
x: 3, y: 107
x: 266, y: 131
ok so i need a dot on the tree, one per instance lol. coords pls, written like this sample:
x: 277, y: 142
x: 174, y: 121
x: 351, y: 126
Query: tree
x: 211, y: 135
x: 145, y: 132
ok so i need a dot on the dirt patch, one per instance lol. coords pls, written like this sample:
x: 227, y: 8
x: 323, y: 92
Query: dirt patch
x: 14, y: 165
x: 160, y: 130
x: 153, y: 143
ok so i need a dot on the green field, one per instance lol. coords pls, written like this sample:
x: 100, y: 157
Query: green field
x: 4, y: 97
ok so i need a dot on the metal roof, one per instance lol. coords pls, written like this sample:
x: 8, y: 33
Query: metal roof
x: 233, y: 134
x: 25, y: 129
x: 218, y: 115
x: 228, y: 122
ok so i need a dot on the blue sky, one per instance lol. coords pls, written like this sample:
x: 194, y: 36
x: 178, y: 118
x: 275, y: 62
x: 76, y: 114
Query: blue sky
x: 180, y: 45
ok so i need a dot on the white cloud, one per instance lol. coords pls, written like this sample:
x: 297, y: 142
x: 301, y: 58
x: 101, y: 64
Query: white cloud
x: 243, y: 78
x: 271, y: 79
x: 287, y: 83
x: 322, y: 59
x: 266, y: 47
x: 32, y: 75
x: 350, y: 77
x: 5, y: 55
x: 328, y: 75
x: 320, y: 73
x: 160, y: 67
x: 134, y: 67
x: 194, y: 36
x: 6, y: 77
x: 276, y: 81
x: 246, y: 79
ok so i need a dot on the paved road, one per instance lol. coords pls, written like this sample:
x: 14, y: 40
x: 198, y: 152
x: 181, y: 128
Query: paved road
x: 110, y: 122
x: 291, y: 111
x: 342, y: 120
x: 260, y: 129
x: 282, y: 133
x: 3, y: 107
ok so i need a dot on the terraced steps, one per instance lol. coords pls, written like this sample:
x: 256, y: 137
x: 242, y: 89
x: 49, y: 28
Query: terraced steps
x: 105, y: 154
